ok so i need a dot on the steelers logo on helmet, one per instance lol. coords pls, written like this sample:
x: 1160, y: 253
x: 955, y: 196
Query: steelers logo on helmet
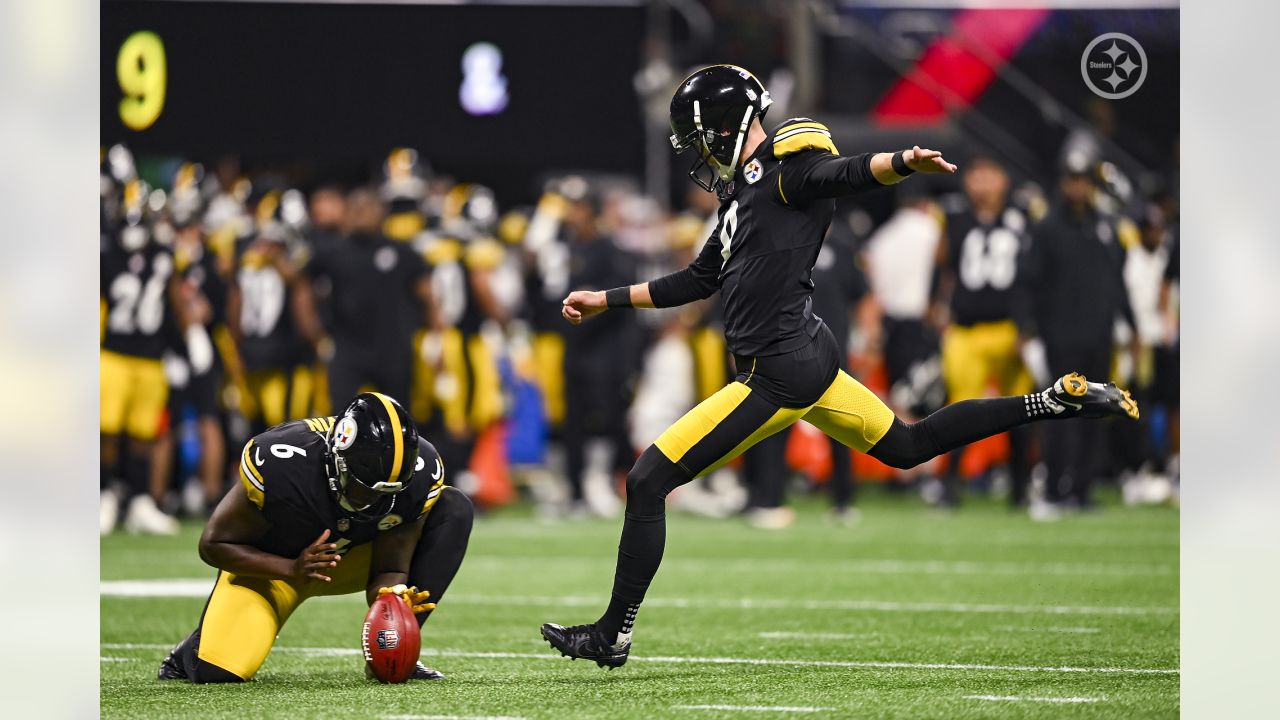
x: 345, y: 433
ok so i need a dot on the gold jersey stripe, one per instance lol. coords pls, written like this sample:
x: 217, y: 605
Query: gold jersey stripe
x: 432, y: 497
x: 807, y: 140
x: 797, y: 126
x: 256, y: 495
x: 397, y: 457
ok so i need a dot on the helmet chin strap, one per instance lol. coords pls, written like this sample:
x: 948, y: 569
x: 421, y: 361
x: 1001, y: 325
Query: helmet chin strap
x: 726, y: 172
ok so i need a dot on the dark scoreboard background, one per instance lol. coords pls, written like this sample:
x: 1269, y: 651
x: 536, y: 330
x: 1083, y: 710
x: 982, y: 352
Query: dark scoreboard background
x: 341, y: 84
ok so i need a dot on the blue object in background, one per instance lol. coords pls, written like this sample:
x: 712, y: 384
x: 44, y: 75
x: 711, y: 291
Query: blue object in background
x: 526, y: 426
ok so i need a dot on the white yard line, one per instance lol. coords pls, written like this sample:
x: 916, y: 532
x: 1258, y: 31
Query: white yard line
x: 868, y: 566
x: 1016, y: 698
x: 201, y: 588
x: 754, y: 708
x: 863, y: 664
x: 783, y: 635
x: 450, y: 717
x: 1065, y: 630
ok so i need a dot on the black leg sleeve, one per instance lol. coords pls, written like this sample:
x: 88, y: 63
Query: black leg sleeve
x: 644, y: 536
x: 442, y: 545
x: 909, y: 444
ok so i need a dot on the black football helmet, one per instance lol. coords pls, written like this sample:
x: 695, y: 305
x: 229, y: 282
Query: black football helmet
x: 711, y: 112
x: 373, y: 444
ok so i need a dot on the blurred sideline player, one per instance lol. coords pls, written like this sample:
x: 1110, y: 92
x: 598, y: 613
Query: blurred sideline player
x: 326, y: 506
x: 901, y: 257
x: 599, y: 361
x: 463, y: 255
x: 776, y: 193
x: 546, y: 281
x: 378, y: 294
x: 327, y: 230
x: 272, y: 317
x: 985, y: 241
x: 203, y: 290
x: 139, y: 295
x: 1076, y: 295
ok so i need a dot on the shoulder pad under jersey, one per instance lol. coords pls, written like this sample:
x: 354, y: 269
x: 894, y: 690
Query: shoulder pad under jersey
x: 799, y: 134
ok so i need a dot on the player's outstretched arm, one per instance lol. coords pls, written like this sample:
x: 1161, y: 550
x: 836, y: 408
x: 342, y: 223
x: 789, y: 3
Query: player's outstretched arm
x: 817, y: 173
x: 582, y: 304
x: 889, y: 168
x: 698, y: 281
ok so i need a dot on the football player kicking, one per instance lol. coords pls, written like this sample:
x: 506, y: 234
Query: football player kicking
x: 326, y: 506
x: 776, y: 201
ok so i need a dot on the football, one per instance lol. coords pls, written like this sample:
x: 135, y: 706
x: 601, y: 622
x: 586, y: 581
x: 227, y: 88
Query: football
x: 390, y: 640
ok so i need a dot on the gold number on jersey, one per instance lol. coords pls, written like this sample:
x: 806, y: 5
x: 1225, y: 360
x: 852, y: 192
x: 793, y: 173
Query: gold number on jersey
x: 142, y: 72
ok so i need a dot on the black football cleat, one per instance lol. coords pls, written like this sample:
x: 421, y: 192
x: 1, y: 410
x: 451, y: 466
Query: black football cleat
x: 422, y: 672
x: 1074, y: 396
x: 586, y: 642
x: 171, y: 668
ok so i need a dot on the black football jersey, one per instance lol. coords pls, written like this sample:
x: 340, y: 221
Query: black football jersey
x: 372, y: 305
x: 770, y: 231
x: 270, y: 339
x: 135, y: 285
x: 984, y: 260
x: 283, y: 471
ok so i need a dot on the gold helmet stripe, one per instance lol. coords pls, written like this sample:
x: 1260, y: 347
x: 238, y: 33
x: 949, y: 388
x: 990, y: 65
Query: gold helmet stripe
x: 396, y: 435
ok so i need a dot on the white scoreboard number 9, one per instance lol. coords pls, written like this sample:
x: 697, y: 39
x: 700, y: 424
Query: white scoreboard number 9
x: 142, y: 74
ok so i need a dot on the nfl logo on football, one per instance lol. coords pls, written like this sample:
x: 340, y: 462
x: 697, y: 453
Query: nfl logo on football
x: 388, y: 639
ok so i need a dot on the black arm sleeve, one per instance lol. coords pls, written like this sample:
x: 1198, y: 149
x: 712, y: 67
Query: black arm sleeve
x: 697, y: 282
x: 819, y: 174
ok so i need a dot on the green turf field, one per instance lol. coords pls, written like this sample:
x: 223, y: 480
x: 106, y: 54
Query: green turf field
x: 910, y: 614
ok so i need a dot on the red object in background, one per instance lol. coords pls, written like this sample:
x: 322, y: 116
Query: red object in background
x: 809, y: 451
x: 390, y: 639
x: 489, y: 463
x: 955, y: 69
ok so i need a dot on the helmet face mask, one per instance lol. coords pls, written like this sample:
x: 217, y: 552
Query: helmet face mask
x: 711, y: 112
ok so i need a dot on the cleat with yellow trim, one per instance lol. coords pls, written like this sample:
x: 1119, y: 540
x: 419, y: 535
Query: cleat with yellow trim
x: 585, y: 641
x: 1074, y: 396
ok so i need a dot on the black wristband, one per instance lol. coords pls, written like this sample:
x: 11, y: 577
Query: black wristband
x: 618, y: 297
x: 900, y: 165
